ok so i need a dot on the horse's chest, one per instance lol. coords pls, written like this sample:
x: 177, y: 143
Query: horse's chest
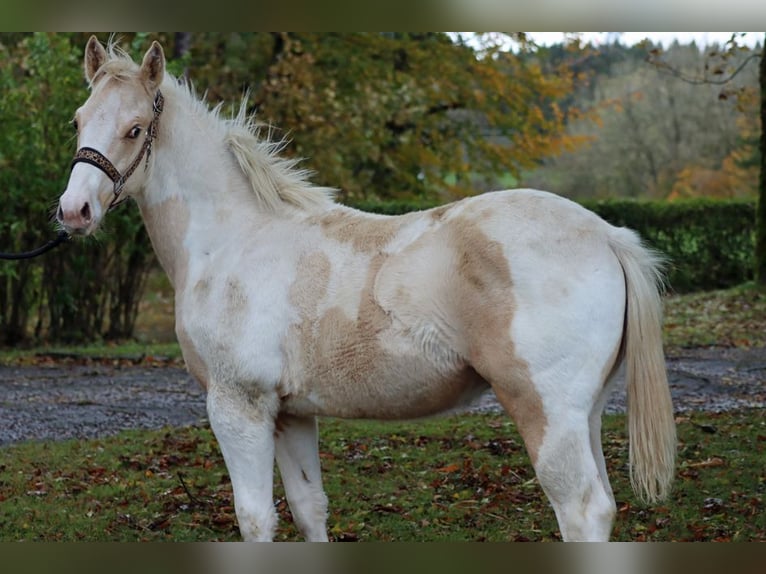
x: 233, y: 328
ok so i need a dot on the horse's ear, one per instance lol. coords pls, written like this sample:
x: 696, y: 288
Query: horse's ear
x: 95, y: 56
x: 153, y: 66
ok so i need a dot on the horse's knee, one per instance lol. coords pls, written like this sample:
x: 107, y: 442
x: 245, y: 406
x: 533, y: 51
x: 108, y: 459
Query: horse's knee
x: 244, y: 429
x: 310, y: 515
x: 256, y: 525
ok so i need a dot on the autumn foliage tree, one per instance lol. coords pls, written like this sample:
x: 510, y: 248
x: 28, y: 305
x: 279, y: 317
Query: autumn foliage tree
x: 651, y: 135
x: 394, y: 115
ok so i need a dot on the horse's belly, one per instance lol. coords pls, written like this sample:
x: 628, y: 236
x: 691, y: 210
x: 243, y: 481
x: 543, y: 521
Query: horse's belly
x: 401, y: 388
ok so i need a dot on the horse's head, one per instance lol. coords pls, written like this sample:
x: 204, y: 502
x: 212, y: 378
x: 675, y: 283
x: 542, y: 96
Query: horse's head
x: 115, y: 131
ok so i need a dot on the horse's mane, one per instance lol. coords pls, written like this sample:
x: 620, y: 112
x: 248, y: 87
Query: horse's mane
x: 276, y: 181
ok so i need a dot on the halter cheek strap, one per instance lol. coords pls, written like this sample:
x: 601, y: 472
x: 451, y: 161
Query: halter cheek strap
x: 96, y: 158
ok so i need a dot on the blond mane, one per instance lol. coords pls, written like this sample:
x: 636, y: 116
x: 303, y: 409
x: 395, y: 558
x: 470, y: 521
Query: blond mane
x: 276, y: 181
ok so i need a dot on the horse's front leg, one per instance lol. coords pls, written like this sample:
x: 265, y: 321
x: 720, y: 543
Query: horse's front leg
x: 297, y: 446
x: 243, y: 423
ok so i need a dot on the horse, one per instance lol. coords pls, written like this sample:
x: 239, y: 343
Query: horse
x: 290, y: 306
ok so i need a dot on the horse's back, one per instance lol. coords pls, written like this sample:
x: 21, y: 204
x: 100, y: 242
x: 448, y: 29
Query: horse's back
x: 498, y: 254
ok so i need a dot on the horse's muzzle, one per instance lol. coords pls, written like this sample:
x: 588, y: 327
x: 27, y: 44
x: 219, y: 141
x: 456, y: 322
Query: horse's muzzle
x: 75, y: 219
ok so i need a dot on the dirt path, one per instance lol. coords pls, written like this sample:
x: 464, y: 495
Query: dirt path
x: 65, y: 401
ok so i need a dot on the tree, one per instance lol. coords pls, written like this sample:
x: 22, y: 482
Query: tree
x: 393, y: 115
x: 649, y: 134
x: 760, y: 238
x: 716, y: 74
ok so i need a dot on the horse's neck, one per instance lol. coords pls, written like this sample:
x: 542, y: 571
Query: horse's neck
x: 194, y: 203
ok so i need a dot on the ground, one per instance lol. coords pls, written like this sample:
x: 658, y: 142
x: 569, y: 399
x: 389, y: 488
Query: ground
x: 64, y: 399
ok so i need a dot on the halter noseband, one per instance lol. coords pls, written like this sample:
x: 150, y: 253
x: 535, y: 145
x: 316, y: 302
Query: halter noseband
x: 96, y: 158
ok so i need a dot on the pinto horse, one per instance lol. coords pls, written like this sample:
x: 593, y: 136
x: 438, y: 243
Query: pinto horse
x: 290, y: 306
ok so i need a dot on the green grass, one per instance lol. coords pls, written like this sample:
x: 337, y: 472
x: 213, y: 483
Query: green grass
x: 728, y: 318
x: 130, y: 351
x: 450, y: 479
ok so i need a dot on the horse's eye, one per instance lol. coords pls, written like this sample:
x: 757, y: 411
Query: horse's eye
x: 134, y: 132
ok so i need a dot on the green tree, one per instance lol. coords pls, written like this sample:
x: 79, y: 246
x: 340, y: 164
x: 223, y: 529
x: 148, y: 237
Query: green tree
x: 760, y: 233
x: 33, y: 111
x: 81, y: 291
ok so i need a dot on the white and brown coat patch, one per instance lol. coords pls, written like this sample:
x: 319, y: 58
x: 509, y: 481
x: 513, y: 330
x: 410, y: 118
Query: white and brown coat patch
x: 408, y: 348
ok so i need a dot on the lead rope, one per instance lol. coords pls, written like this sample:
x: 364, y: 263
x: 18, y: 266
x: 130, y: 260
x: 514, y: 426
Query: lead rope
x: 62, y: 237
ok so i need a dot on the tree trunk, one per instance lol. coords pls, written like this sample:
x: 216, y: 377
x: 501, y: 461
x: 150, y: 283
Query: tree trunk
x: 760, y: 233
x: 181, y: 47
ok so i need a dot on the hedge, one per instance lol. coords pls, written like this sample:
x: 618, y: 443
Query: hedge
x: 710, y: 244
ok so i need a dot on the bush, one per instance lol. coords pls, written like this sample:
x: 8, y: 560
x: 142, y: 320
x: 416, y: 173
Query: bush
x: 709, y: 243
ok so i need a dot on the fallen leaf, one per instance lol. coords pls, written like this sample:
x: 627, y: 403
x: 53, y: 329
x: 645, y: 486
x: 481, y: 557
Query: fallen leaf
x: 707, y: 463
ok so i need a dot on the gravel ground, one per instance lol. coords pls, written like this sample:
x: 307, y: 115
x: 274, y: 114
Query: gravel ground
x: 61, y: 402
x: 66, y: 401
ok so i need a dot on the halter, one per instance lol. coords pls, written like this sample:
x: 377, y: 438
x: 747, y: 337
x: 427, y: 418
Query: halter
x: 96, y: 158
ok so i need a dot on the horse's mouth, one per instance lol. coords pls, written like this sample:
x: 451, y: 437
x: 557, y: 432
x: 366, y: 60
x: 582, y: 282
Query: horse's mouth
x: 78, y: 231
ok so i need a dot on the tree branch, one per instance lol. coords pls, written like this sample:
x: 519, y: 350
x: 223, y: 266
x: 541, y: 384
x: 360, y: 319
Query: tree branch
x: 400, y: 128
x: 668, y: 69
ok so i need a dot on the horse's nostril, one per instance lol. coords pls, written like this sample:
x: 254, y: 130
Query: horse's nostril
x: 60, y: 214
x: 85, y: 212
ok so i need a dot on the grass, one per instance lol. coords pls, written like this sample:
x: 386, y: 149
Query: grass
x: 453, y: 479
x: 128, y: 351
x: 727, y: 318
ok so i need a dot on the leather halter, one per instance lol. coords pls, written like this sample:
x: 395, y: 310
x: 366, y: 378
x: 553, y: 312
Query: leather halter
x: 96, y: 158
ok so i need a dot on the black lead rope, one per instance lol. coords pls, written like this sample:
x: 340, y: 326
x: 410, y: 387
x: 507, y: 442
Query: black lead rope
x: 62, y: 237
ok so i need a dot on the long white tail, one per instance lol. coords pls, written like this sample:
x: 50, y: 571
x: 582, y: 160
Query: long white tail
x: 651, y: 426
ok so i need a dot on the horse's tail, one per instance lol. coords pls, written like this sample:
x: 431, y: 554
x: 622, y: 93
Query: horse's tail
x: 651, y: 426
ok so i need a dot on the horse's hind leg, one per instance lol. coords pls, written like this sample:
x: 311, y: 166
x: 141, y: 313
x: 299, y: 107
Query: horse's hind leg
x: 244, y: 427
x: 298, y: 459
x: 595, y: 433
x: 571, y: 478
x: 567, y: 468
